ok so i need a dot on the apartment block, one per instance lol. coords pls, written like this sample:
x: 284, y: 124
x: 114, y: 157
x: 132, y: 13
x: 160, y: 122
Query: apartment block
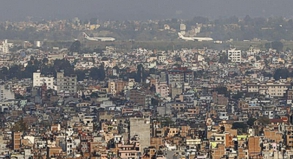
x: 272, y: 88
x: 39, y: 80
x: 179, y: 76
x: 254, y: 148
x: 6, y: 93
x: 140, y: 97
x: 234, y: 55
x: 67, y: 84
x: 5, y: 46
x: 116, y: 86
x: 16, y: 140
x: 162, y: 89
x: 141, y: 127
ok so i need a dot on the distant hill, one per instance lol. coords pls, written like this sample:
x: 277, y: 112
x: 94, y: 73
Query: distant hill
x: 142, y: 10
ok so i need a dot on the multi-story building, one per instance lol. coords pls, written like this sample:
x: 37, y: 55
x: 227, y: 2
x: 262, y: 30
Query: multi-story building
x: 162, y: 88
x: 115, y: 87
x: 277, y: 89
x: 254, y: 148
x: 5, y: 93
x: 234, y: 55
x: 220, y: 99
x: 16, y: 141
x: 272, y: 88
x: 141, y: 127
x: 289, y: 136
x: 140, y: 97
x: 66, y: 83
x: 39, y: 80
x: 178, y: 76
x: 4, y: 47
x: 161, y: 58
x: 131, y: 150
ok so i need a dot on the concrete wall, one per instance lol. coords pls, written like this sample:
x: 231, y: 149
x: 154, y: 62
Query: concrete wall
x: 141, y: 127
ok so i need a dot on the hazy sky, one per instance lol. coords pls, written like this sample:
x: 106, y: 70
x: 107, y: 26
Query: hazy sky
x: 142, y: 9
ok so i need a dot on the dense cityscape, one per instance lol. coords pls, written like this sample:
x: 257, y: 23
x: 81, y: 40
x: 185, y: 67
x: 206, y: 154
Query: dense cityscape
x: 157, y: 89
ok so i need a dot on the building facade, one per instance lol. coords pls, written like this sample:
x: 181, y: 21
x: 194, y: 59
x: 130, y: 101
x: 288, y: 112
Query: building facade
x: 141, y: 127
x: 66, y: 83
x: 179, y: 76
x: 234, y: 55
x: 5, y: 46
x: 39, y: 80
x: 272, y: 88
x: 6, y: 93
x: 140, y: 97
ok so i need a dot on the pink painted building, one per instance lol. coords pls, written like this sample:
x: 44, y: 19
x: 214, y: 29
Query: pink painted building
x: 162, y: 88
x: 128, y: 150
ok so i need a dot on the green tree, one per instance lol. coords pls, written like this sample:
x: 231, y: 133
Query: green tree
x: 140, y: 73
x: 222, y: 90
x: 94, y: 95
x: 240, y: 126
x: 93, y: 21
x: 94, y: 73
x: 45, y: 60
x: 268, y: 46
x: 155, y: 101
x: 277, y: 45
x: 75, y: 46
x: 3, y: 73
x: 20, y: 125
x: 18, y: 96
x: 223, y: 58
x: 251, y: 121
x: 98, y: 73
x: 281, y: 73
x: 264, y: 120
x: 102, y: 72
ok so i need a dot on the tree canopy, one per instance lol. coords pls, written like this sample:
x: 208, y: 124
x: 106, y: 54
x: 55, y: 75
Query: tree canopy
x: 277, y: 45
x: 281, y: 73
x: 20, y: 125
x: 75, y: 46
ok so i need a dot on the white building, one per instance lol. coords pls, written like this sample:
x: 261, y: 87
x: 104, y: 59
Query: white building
x: 234, y: 55
x: 5, y: 46
x: 39, y: 80
x: 6, y: 93
x: 38, y: 44
x: 182, y: 28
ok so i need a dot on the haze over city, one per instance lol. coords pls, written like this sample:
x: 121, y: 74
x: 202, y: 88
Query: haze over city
x: 146, y: 79
x: 141, y: 10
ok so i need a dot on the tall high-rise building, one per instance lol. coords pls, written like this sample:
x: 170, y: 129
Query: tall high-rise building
x: 66, y: 83
x: 141, y: 127
x: 179, y: 76
x: 16, y: 140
